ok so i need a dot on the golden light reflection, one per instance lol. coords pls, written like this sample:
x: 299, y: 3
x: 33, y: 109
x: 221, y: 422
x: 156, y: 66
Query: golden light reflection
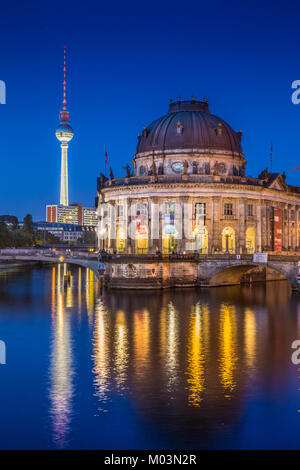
x: 141, y: 338
x: 61, y: 368
x: 228, y: 347
x: 90, y: 293
x: 101, y: 352
x: 53, y: 292
x: 79, y: 289
x: 250, y: 337
x: 121, y: 349
x: 70, y: 294
x: 169, y: 343
x: 197, y: 348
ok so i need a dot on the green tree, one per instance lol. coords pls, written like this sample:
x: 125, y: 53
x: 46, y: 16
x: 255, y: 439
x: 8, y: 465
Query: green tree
x: 28, y: 224
x: 19, y: 238
x: 5, y: 239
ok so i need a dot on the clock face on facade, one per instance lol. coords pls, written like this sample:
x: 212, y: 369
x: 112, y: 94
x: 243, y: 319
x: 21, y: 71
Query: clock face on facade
x: 177, y: 167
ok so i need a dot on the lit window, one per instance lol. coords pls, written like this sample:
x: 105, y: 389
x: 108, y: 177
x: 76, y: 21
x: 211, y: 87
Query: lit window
x: 121, y: 211
x: 142, y: 209
x: 228, y: 209
x: 200, y: 208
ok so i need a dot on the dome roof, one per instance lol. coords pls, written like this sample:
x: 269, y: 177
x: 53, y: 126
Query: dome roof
x: 189, y: 124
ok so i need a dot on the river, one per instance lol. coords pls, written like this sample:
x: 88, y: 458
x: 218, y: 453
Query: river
x: 174, y: 369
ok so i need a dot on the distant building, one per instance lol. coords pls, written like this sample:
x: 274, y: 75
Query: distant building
x: 89, y: 216
x: 72, y: 214
x: 10, y: 220
x: 65, y: 232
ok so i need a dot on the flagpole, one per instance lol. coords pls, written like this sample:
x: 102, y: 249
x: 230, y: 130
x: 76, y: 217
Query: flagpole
x: 105, y: 159
x: 271, y: 156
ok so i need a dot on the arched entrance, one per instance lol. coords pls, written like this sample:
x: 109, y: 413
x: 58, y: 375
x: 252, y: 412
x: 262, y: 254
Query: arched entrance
x: 228, y: 240
x: 169, y: 243
x: 201, y: 240
x: 250, y: 240
x: 141, y: 243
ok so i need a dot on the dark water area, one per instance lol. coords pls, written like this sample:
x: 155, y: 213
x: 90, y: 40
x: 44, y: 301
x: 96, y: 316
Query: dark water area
x: 177, y: 369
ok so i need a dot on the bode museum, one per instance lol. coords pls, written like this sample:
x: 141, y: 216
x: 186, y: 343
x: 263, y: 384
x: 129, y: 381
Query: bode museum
x: 188, y: 192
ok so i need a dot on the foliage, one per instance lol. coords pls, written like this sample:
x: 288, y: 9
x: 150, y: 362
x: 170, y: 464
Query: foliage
x: 28, y: 224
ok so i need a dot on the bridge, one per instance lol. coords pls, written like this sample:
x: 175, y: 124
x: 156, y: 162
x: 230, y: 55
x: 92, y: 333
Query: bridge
x: 161, y: 271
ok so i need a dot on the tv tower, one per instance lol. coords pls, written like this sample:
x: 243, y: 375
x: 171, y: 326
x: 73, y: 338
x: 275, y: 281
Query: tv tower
x: 64, y: 133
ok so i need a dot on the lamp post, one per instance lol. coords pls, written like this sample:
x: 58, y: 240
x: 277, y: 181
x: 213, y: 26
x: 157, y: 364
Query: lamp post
x: 227, y: 232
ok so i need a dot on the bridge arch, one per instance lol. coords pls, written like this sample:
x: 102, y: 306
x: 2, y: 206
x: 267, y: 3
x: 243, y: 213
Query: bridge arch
x: 233, y: 274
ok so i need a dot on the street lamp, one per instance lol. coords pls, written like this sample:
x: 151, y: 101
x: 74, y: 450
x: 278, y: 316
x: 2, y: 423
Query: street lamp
x: 227, y: 233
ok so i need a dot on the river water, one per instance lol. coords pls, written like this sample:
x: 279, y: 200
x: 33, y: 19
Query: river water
x: 179, y: 369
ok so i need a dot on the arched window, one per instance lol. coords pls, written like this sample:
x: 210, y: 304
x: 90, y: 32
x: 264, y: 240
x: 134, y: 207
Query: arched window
x: 142, y: 170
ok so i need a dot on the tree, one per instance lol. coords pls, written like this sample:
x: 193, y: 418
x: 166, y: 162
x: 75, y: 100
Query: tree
x: 28, y: 224
x: 19, y: 238
x: 4, y: 236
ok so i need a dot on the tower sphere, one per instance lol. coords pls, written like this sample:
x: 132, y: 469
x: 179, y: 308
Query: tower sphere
x: 64, y: 132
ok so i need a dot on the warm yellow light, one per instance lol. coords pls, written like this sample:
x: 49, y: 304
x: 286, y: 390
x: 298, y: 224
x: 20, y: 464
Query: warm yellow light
x: 122, y: 235
x: 61, y: 259
x: 196, y: 230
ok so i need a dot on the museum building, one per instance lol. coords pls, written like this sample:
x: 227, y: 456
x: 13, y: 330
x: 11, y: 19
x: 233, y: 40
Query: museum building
x: 191, y: 165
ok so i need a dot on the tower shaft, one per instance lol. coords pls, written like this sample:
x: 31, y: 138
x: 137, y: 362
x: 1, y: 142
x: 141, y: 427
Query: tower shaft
x: 64, y: 189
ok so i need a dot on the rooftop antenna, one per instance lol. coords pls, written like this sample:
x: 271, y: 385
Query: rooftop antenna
x: 65, y: 82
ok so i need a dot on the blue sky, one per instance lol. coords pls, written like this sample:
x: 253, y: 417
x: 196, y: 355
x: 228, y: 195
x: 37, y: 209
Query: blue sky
x: 125, y: 61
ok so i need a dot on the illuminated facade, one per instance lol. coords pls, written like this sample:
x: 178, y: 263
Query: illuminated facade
x: 188, y: 193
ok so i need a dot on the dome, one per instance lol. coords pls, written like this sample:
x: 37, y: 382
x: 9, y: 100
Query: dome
x: 189, y: 125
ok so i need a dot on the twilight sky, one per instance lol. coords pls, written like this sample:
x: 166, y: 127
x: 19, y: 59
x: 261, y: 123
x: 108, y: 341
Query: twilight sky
x: 125, y: 61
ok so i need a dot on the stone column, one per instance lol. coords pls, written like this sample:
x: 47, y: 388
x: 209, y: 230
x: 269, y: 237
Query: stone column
x: 297, y: 209
x: 241, y: 238
x: 112, y: 227
x: 130, y: 218
x: 258, y: 234
x: 216, y: 246
x: 183, y: 242
x: 154, y: 233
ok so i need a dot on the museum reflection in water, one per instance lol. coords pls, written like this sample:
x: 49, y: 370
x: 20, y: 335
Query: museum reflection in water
x: 186, y: 357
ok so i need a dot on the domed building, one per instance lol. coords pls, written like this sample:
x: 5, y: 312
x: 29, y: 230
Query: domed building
x: 188, y: 193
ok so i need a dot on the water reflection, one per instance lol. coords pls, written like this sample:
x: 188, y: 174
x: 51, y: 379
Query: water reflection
x: 228, y: 347
x: 61, y: 368
x: 197, y: 350
x: 101, y: 355
x: 185, y: 358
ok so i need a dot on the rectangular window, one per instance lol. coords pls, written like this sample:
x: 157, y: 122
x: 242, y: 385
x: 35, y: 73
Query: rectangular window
x: 228, y: 209
x: 121, y: 211
x: 200, y: 208
x: 142, y: 209
x: 250, y: 210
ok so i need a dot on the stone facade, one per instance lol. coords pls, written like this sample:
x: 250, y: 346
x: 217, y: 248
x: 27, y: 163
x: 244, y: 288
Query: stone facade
x: 192, y: 195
